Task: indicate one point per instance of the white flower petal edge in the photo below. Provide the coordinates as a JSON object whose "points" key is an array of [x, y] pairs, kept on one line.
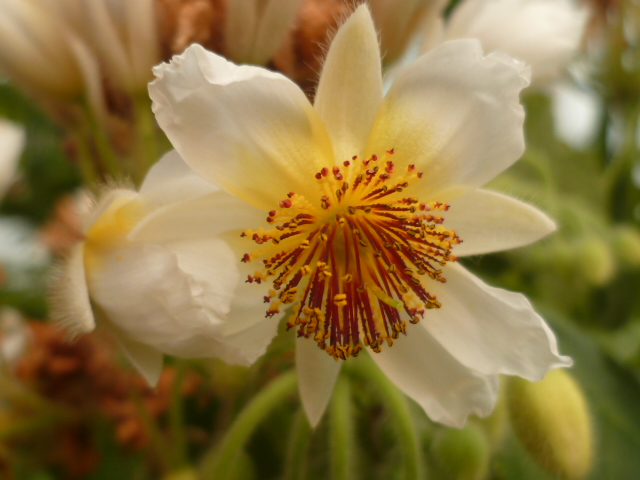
{"points": [[317, 375], [350, 88], [456, 115], [171, 181], [491, 222], [69, 298], [447, 390], [491, 330], [250, 131], [543, 33], [12, 140]]}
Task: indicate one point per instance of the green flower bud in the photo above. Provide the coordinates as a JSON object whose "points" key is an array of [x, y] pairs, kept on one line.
{"points": [[551, 419], [596, 261], [461, 454], [626, 241]]}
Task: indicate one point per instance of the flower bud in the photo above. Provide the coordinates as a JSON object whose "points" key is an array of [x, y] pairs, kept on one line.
{"points": [[626, 241], [551, 419], [596, 261], [461, 454]]}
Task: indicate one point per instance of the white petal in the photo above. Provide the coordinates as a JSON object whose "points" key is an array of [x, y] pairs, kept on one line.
{"points": [[317, 375], [250, 131], [69, 301], [446, 390], [11, 144], [147, 295], [491, 330], [147, 360], [171, 180], [455, 114], [350, 88], [489, 222], [543, 33], [246, 326], [206, 216]]}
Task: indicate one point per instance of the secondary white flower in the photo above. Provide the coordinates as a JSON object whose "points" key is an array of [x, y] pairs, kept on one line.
{"points": [[546, 34], [355, 235], [158, 277], [11, 145]]}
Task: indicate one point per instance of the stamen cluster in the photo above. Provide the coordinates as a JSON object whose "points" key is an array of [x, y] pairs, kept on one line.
{"points": [[355, 261]]}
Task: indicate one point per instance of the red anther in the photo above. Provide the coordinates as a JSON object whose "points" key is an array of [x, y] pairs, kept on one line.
{"points": [[318, 176], [324, 172], [336, 170], [285, 203], [346, 163], [266, 299], [272, 213], [270, 220], [339, 176], [374, 157], [419, 174], [391, 152], [255, 237], [250, 279], [355, 157], [243, 234], [279, 227], [411, 167], [291, 194], [246, 258]]}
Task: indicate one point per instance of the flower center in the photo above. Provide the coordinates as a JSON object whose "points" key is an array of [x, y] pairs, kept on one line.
{"points": [[354, 265]]}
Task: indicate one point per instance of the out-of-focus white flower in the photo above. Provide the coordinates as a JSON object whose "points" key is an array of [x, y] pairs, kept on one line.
{"points": [[40, 52], [67, 47], [158, 277], [352, 234], [256, 28], [544, 33], [11, 145]]}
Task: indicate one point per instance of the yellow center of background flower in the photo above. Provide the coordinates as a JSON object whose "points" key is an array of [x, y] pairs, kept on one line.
{"points": [[354, 262]]}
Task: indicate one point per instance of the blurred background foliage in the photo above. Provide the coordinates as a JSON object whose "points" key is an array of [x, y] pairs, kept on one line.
{"points": [[79, 412]]}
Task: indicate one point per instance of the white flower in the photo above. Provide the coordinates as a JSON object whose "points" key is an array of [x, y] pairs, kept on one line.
{"points": [[11, 145], [546, 34], [354, 233], [158, 277]]}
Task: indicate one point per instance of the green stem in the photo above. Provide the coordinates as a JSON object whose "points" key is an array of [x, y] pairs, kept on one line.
{"points": [[298, 445], [176, 417], [218, 462], [159, 445], [398, 406], [341, 432], [147, 148]]}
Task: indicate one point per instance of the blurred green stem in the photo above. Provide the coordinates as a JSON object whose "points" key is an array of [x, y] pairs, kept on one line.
{"points": [[341, 434], [218, 462], [299, 439], [398, 406]]}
